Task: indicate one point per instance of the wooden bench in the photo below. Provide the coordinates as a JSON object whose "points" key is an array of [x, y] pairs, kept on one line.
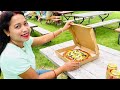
{"points": [[32, 25], [99, 24], [41, 30], [106, 23], [56, 21]]}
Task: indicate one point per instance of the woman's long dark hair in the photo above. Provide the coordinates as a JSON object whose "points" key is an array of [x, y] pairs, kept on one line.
{"points": [[5, 18]]}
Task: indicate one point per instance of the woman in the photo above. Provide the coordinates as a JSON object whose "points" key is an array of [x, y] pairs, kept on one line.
{"points": [[43, 14], [17, 60], [38, 15]]}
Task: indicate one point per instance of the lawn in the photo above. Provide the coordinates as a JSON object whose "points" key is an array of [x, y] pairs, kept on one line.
{"points": [[104, 36]]}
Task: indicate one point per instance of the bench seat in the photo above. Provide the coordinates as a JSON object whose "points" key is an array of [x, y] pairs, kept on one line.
{"points": [[95, 25], [56, 20], [41, 30], [32, 24]]}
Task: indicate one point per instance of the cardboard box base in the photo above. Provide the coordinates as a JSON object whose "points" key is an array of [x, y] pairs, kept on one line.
{"points": [[92, 57]]}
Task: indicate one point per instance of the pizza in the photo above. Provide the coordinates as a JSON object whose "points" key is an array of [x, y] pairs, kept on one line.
{"points": [[76, 55]]}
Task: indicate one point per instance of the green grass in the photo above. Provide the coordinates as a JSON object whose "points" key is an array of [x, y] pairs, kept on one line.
{"points": [[104, 37]]}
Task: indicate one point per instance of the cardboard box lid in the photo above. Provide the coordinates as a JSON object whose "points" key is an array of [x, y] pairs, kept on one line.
{"points": [[84, 36]]}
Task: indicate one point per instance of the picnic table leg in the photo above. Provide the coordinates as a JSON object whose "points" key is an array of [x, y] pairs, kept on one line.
{"points": [[119, 38], [79, 22], [66, 17], [32, 30], [89, 19], [82, 21], [71, 13], [104, 17], [119, 25]]}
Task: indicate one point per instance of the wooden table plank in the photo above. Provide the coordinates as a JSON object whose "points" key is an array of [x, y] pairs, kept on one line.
{"points": [[51, 55], [109, 50]]}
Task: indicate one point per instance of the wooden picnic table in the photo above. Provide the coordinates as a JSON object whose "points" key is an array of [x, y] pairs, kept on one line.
{"points": [[91, 14], [92, 70], [62, 13]]}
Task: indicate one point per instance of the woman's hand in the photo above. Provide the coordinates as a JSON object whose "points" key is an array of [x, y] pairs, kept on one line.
{"points": [[69, 66], [67, 25]]}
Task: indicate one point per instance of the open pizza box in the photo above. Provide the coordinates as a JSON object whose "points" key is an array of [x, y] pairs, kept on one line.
{"points": [[85, 40]]}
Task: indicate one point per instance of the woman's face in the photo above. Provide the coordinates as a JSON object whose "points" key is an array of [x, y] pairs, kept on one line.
{"points": [[19, 30]]}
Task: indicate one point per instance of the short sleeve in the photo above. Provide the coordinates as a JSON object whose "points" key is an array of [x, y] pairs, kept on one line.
{"points": [[16, 66]]}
